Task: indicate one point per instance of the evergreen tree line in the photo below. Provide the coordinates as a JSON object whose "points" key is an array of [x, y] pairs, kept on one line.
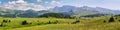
{"points": [[56, 15]]}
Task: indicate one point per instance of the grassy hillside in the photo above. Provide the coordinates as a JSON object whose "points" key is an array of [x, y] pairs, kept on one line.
{"points": [[96, 23], [84, 13], [16, 22], [109, 26]]}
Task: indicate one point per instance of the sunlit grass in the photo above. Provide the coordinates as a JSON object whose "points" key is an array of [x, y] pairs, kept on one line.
{"points": [[85, 24]]}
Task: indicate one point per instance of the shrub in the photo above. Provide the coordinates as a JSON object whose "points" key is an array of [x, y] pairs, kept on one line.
{"points": [[24, 22], [5, 21], [119, 20], [38, 23], [49, 22], [55, 22], [30, 23], [111, 19], [52, 22], [9, 21], [77, 21], [1, 24], [104, 21]]}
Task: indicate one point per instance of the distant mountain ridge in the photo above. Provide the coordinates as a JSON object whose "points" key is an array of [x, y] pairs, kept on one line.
{"points": [[71, 10], [85, 10], [20, 13]]}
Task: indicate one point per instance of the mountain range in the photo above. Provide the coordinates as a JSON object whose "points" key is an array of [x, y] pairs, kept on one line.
{"points": [[66, 9]]}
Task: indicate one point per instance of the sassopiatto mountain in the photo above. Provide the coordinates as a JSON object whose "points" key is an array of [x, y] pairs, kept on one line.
{"points": [[71, 10], [84, 10]]}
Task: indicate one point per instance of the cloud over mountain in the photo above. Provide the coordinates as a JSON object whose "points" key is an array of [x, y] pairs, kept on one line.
{"points": [[22, 5], [25, 5], [39, 0], [55, 2]]}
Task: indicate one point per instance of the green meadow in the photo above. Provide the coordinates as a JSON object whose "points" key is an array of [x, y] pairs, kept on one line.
{"points": [[96, 23]]}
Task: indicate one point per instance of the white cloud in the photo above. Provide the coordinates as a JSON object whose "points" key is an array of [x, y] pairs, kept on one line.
{"points": [[20, 1], [49, 7], [37, 7], [23, 5], [39, 0], [55, 2]]}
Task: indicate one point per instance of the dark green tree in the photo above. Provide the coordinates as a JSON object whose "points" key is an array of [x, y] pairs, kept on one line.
{"points": [[111, 19], [24, 22], [56, 15]]}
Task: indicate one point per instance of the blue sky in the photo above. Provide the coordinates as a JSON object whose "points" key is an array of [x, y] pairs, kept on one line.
{"points": [[46, 4]]}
